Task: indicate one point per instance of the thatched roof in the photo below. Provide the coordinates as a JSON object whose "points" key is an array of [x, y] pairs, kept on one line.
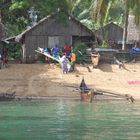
{"points": [[133, 32]]}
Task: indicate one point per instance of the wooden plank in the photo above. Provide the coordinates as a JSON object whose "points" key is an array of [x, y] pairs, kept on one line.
{"points": [[48, 55]]}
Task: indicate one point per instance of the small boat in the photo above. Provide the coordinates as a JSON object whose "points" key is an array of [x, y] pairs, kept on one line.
{"points": [[88, 95], [84, 91], [7, 96]]}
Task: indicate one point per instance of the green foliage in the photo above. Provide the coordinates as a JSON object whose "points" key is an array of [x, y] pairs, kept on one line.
{"points": [[14, 52], [18, 4], [87, 23], [80, 51], [105, 11], [16, 13], [62, 18], [103, 45]]}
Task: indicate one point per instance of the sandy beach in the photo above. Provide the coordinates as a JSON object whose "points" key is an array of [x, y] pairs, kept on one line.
{"points": [[48, 80]]}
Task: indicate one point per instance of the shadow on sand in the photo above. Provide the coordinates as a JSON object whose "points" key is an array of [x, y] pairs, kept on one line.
{"points": [[105, 67]]}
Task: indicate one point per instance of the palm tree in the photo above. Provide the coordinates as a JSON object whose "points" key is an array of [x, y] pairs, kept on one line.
{"points": [[99, 9], [80, 10]]}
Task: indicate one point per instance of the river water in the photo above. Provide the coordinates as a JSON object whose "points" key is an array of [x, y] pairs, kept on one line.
{"points": [[69, 120]]}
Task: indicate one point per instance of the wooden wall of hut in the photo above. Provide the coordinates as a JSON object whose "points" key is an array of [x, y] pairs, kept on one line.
{"points": [[111, 33]]}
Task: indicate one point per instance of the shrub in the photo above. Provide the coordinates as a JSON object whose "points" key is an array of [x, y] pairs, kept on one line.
{"points": [[80, 51]]}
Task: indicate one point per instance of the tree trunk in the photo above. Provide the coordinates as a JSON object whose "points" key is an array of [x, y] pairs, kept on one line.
{"points": [[1, 31], [0, 17], [125, 27]]}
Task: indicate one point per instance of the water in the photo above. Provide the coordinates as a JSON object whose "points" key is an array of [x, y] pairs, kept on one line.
{"points": [[69, 120]]}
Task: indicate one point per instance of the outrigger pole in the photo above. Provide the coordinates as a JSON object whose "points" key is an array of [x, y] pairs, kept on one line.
{"points": [[112, 94]]}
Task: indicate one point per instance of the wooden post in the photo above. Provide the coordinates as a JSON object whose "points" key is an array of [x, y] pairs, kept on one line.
{"points": [[0, 31], [23, 53], [125, 27], [0, 17]]}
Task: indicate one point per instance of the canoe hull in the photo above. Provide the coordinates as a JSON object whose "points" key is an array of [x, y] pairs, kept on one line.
{"points": [[85, 97]]}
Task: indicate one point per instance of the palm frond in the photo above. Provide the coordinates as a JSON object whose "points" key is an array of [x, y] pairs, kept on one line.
{"points": [[99, 9]]}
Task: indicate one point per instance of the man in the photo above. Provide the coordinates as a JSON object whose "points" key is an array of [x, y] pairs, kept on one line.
{"points": [[55, 52], [67, 50]]}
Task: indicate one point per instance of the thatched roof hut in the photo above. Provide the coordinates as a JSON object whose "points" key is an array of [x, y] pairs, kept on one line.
{"points": [[111, 33], [133, 33]]}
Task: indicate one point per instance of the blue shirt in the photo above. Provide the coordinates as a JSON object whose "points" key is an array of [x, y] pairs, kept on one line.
{"points": [[55, 51]]}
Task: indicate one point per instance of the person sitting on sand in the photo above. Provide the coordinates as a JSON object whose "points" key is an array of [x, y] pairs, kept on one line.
{"points": [[121, 64]]}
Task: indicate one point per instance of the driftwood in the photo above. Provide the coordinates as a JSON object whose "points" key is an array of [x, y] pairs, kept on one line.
{"points": [[7, 96]]}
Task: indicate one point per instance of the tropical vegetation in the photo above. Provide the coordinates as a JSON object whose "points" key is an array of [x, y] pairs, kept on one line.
{"points": [[14, 14], [100, 10]]}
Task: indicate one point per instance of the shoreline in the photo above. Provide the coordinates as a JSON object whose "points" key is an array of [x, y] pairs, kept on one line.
{"points": [[43, 98]]}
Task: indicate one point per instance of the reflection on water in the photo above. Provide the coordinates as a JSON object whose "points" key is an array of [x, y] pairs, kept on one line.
{"points": [[69, 120]]}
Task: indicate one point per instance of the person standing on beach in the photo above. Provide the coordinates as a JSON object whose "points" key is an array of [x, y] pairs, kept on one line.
{"points": [[55, 52], [64, 64], [67, 50]]}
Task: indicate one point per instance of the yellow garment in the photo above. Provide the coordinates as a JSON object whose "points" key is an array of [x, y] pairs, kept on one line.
{"points": [[73, 57]]}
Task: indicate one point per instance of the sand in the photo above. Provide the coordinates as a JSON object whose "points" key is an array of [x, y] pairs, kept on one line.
{"points": [[48, 80]]}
